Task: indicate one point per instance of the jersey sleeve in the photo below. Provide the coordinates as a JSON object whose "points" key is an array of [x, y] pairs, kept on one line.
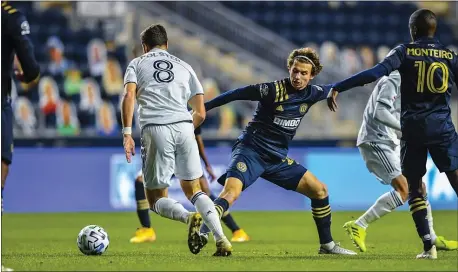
{"points": [[265, 93], [387, 92], [195, 85], [320, 92], [131, 75], [19, 29], [394, 59]]}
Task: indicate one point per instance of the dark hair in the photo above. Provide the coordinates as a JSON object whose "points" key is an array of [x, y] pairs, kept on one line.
{"points": [[423, 23], [310, 54], [154, 35]]}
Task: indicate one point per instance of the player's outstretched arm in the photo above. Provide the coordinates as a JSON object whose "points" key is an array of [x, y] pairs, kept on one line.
{"points": [[391, 62], [250, 92]]}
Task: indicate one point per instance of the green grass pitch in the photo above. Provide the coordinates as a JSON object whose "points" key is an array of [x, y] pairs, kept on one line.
{"points": [[280, 241]]}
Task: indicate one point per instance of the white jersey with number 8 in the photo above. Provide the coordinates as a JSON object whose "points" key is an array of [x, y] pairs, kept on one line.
{"points": [[165, 83]]}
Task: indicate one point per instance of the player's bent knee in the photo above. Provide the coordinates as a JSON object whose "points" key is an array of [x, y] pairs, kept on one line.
{"points": [[232, 189], [311, 187], [401, 186]]}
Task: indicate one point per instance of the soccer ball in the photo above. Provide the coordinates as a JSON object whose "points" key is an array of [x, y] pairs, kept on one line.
{"points": [[93, 240]]}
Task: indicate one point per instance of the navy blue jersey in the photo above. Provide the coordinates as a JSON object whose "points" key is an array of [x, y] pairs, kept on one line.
{"points": [[15, 40], [278, 114], [428, 71]]}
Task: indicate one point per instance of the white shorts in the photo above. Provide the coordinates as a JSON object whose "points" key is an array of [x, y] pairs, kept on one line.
{"points": [[382, 160], [167, 150]]}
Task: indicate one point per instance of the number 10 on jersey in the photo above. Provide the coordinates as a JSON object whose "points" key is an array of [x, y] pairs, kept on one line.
{"points": [[422, 73]]}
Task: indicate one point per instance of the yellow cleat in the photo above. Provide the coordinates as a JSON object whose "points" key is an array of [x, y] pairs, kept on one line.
{"points": [[143, 235], [442, 244], [357, 235], [223, 248], [240, 236]]}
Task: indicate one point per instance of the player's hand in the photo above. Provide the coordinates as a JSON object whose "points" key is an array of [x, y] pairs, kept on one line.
{"points": [[331, 99], [210, 173], [129, 147]]}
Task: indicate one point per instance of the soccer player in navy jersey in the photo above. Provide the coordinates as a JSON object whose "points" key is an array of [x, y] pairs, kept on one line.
{"points": [[428, 71], [262, 149], [15, 41]]}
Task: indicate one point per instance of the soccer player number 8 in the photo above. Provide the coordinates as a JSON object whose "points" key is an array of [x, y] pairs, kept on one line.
{"points": [[163, 71], [430, 77]]}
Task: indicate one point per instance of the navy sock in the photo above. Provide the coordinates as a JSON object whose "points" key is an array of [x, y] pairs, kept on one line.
{"points": [[142, 205], [321, 211], [230, 222], [221, 206], [417, 205]]}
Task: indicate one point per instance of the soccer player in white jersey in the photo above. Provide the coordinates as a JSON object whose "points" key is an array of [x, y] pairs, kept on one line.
{"points": [[378, 142], [163, 86]]}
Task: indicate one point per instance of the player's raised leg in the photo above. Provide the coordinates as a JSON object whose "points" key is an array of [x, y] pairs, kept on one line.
{"points": [[383, 161], [189, 171], [238, 234], [317, 191], [290, 175], [145, 233]]}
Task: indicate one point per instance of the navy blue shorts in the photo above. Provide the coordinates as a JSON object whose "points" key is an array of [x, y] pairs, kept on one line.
{"points": [[247, 166], [414, 156], [7, 130]]}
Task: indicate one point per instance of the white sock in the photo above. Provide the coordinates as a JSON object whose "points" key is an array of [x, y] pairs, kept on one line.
{"points": [[384, 205], [207, 210], [429, 216], [171, 209]]}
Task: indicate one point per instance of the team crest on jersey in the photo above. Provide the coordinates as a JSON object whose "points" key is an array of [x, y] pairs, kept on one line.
{"points": [[241, 166], [263, 90], [25, 28], [303, 108], [289, 160]]}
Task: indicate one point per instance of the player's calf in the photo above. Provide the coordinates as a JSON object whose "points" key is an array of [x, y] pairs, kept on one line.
{"points": [[317, 191]]}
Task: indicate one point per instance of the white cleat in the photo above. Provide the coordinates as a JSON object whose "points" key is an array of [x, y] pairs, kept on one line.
{"points": [[430, 254], [337, 249]]}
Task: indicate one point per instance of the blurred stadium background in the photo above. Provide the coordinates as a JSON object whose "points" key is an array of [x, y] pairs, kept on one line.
{"points": [[69, 161], [67, 128]]}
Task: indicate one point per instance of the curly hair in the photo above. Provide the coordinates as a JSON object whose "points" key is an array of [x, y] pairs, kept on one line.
{"points": [[310, 54]]}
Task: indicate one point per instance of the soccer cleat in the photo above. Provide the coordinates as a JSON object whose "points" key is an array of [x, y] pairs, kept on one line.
{"points": [[442, 244], [6, 268], [430, 254], [357, 235], [143, 235], [194, 240], [337, 249], [223, 248], [240, 236]]}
